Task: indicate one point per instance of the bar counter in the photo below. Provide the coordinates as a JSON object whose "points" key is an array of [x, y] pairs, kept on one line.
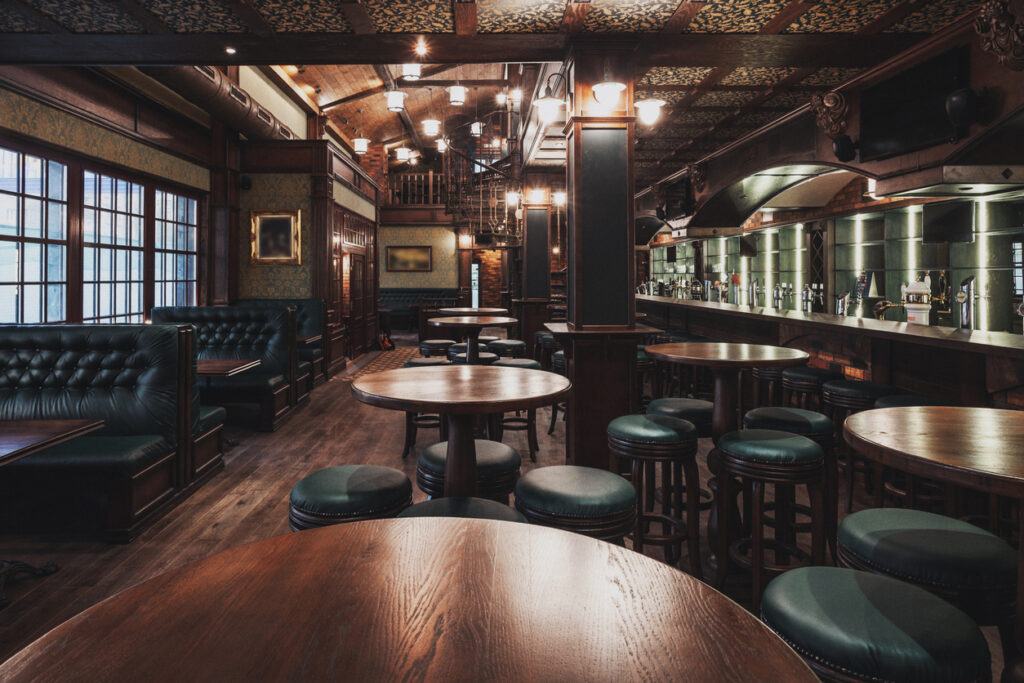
{"points": [[969, 366]]}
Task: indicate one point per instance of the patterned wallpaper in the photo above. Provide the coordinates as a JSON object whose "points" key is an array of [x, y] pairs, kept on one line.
{"points": [[446, 263], [275, 192], [28, 117]]}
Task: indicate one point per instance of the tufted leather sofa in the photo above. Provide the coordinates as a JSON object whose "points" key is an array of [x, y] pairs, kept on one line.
{"points": [[140, 380], [234, 332], [310, 321]]}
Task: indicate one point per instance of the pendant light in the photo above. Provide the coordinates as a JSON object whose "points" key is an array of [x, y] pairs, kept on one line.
{"points": [[607, 91], [402, 153], [411, 72], [396, 100], [476, 129], [649, 110], [442, 145], [431, 127], [457, 95], [360, 145]]}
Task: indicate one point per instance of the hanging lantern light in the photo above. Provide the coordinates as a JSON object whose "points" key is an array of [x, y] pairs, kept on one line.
{"points": [[548, 105], [442, 145], [476, 129], [396, 100], [360, 145], [411, 72], [457, 95], [649, 110], [607, 91], [402, 153], [431, 127]]}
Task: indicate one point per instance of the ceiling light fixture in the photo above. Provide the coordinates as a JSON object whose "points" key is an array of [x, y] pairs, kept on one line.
{"points": [[548, 106], [402, 153], [431, 128], [511, 198], [411, 72], [396, 100], [501, 98], [360, 145], [442, 145], [230, 50], [421, 47], [538, 195], [649, 110], [516, 95], [476, 129], [457, 95], [559, 198], [607, 91]]}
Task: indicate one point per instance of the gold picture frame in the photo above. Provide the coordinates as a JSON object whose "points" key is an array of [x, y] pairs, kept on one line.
{"points": [[276, 237]]}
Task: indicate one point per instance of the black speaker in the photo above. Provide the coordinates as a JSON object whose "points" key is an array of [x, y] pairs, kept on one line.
{"points": [[844, 147], [962, 107], [679, 200], [245, 182]]}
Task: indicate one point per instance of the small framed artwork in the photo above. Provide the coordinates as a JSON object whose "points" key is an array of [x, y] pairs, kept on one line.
{"points": [[409, 259], [276, 237]]}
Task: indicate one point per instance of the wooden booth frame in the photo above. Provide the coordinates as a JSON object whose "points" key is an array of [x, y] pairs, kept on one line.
{"points": [[276, 237]]}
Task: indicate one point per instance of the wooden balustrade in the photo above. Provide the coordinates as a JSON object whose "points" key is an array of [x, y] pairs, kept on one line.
{"points": [[416, 188]]}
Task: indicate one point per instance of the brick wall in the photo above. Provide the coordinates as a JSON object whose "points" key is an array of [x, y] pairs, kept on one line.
{"points": [[490, 276], [375, 163]]}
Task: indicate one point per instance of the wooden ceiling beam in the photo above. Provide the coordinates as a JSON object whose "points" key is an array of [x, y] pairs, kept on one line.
{"points": [[33, 16], [244, 10], [384, 73], [380, 88], [574, 16], [147, 19], [786, 16], [464, 12], [893, 15], [682, 16]]}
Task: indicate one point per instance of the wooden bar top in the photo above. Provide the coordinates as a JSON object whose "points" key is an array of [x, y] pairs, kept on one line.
{"points": [[976, 341]]}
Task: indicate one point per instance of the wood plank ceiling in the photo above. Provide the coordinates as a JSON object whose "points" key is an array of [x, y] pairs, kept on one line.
{"points": [[725, 67]]}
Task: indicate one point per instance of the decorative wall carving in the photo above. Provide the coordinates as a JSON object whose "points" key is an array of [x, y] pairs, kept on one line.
{"points": [[830, 112], [1000, 23], [698, 176]]}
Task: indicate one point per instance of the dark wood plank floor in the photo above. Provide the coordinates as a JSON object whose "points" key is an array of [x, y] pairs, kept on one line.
{"points": [[246, 502]]}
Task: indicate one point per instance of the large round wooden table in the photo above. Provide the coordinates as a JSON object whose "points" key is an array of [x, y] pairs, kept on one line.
{"points": [[470, 326], [726, 361], [460, 392], [978, 448], [415, 599]]}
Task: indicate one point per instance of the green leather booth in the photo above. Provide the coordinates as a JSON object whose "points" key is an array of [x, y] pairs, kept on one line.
{"points": [[310, 322]]}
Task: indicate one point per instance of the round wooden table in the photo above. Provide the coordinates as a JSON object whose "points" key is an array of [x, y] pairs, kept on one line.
{"points": [[469, 326], [415, 599], [726, 361], [470, 311], [461, 392], [978, 448]]}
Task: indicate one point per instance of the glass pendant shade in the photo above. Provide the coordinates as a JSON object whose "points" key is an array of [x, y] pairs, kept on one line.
{"points": [[559, 198], [402, 153], [411, 72], [501, 98], [431, 127], [649, 110], [457, 95], [396, 100], [547, 108], [442, 145], [607, 93], [360, 145], [511, 198], [476, 129]]}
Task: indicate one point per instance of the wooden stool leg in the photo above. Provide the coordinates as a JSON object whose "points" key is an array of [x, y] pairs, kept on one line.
{"points": [[814, 493], [649, 489], [784, 499], [410, 434], [554, 417], [757, 545], [672, 550], [531, 433], [637, 476], [692, 479], [724, 500]]}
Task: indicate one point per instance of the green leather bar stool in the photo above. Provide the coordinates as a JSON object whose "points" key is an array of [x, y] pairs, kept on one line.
{"points": [[645, 367], [538, 345], [961, 563], [585, 500], [767, 380], [508, 348], [692, 410], [456, 349], [646, 441], [854, 626], [435, 347], [842, 398], [515, 422], [486, 339], [802, 385], [558, 365], [417, 421], [550, 347], [816, 427], [465, 508], [760, 457], [347, 493], [486, 358], [497, 469]]}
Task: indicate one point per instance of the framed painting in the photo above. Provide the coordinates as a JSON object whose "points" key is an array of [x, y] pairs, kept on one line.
{"points": [[276, 237], [410, 259]]}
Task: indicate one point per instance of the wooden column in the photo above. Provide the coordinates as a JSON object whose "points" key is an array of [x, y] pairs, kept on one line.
{"points": [[536, 273], [222, 251], [600, 335]]}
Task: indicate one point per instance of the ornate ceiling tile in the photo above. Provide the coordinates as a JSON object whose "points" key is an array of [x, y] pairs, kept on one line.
{"points": [[726, 98], [12, 22], [829, 76], [675, 75], [756, 75], [840, 16], [703, 118], [196, 16], [734, 16], [670, 96], [411, 16], [757, 118], [934, 15], [519, 16], [628, 15], [88, 16], [791, 99], [302, 15]]}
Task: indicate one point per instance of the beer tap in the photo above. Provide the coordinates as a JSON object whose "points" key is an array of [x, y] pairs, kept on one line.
{"points": [[842, 302], [965, 297], [807, 299], [777, 296], [752, 292]]}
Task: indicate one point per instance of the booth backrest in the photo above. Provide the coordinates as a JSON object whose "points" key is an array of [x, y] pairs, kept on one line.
{"points": [[399, 300], [126, 375], [236, 332], [309, 313]]}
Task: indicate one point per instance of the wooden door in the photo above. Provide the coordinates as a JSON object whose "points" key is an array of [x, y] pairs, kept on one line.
{"points": [[357, 287]]}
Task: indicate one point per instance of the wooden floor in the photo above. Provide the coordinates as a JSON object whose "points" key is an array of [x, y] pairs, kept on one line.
{"points": [[245, 502]]}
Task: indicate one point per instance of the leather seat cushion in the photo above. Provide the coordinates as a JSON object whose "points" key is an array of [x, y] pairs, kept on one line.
{"points": [[653, 429], [770, 447], [931, 549], [539, 335], [642, 356], [904, 400], [505, 345], [472, 508], [304, 368], [437, 343], [247, 381], [855, 389], [119, 455], [310, 353], [425, 362], [767, 373], [794, 420], [572, 491], [525, 363], [874, 627], [210, 417], [487, 339], [493, 459], [809, 374], [486, 358], [558, 355], [690, 409], [349, 490], [461, 348]]}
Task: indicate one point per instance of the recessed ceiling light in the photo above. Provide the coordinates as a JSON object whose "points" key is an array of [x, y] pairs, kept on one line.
{"points": [[230, 50], [421, 47]]}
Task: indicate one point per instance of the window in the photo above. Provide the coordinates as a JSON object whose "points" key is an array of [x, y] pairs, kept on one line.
{"points": [[1018, 268], [175, 250], [33, 239], [113, 240]]}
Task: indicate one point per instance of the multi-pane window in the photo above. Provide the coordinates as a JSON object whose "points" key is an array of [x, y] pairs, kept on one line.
{"points": [[175, 250], [113, 241], [1018, 268], [33, 239]]}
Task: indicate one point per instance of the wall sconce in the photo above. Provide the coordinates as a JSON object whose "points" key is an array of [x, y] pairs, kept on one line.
{"points": [[511, 198], [402, 153], [411, 72], [476, 129], [465, 241], [607, 91], [457, 95], [538, 196], [559, 198], [396, 100], [431, 128], [649, 110], [548, 105], [555, 250]]}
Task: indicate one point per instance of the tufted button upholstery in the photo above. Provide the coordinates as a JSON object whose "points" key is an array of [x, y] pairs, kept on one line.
{"points": [[346, 491], [690, 409], [856, 389], [309, 313], [771, 447], [929, 549], [525, 363], [653, 429], [571, 491], [874, 627], [904, 400], [796, 420], [492, 458], [471, 508]]}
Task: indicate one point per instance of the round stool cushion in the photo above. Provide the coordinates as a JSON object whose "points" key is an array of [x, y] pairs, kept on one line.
{"points": [[461, 348], [770, 447], [856, 389], [506, 346], [795, 420], [642, 357], [874, 627], [558, 360], [930, 549], [436, 344], [525, 363], [486, 358], [487, 338], [540, 335], [471, 508], [493, 458], [351, 491], [654, 429], [425, 362], [572, 491], [809, 374], [905, 400], [690, 409]]}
